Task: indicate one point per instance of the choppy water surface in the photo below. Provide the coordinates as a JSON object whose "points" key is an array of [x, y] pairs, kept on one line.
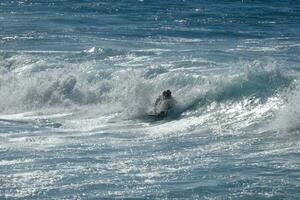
{"points": [[77, 80]]}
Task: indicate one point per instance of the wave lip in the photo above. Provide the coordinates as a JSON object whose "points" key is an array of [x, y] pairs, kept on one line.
{"points": [[254, 83]]}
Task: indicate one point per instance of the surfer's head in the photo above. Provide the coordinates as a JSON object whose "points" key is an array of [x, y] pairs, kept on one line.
{"points": [[167, 94]]}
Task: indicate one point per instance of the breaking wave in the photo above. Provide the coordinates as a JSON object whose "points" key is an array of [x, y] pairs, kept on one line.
{"points": [[36, 81]]}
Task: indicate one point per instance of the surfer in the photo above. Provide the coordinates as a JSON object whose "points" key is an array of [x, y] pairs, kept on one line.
{"points": [[164, 104]]}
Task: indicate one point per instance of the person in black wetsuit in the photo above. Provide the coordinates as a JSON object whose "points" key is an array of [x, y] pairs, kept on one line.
{"points": [[164, 104]]}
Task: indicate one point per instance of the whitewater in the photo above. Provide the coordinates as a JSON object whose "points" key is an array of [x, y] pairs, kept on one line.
{"points": [[79, 78]]}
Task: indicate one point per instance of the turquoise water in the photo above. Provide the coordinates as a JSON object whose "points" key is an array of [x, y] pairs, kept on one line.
{"points": [[78, 78]]}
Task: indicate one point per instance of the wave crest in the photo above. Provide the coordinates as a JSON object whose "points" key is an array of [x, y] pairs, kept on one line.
{"points": [[57, 82]]}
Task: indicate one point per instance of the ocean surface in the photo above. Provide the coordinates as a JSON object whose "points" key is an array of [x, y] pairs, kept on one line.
{"points": [[79, 78]]}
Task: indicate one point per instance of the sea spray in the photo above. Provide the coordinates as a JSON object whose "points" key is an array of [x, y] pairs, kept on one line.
{"points": [[288, 115]]}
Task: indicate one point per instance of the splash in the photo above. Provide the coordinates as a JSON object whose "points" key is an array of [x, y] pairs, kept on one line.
{"points": [[288, 116]]}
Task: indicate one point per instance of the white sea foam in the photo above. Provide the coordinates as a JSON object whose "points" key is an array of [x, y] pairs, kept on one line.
{"points": [[35, 82], [288, 115]]}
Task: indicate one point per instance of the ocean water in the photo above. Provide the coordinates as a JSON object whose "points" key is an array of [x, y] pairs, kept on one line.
{"points": [[78, 79]]}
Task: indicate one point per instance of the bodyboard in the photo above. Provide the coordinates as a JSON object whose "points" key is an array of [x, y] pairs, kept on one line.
{"points": [[156, 116]]}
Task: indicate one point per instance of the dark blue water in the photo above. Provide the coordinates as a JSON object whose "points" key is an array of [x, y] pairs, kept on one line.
{"points": [[78, 78]]}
